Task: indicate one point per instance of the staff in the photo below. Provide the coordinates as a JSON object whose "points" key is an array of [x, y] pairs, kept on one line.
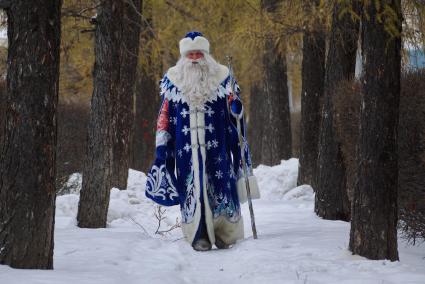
{"points": [[241, 145]]}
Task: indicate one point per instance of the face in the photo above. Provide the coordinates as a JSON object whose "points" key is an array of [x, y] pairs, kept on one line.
{"points": [[194, 55]]}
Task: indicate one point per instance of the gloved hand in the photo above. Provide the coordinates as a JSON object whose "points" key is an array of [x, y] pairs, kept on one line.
{"points": [[236, 108]]}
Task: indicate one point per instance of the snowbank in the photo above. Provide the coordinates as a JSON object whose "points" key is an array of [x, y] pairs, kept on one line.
{"points": [[294, 245], [280, 182]]}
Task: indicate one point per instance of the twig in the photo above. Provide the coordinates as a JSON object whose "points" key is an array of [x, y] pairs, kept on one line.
{"points": [[147, 24], [159, 214], [178, 239], [129, 52], [182, 11], [75, 15], [175, 226], [79, 14], [88, 31], [251, 6], [138, 224]]}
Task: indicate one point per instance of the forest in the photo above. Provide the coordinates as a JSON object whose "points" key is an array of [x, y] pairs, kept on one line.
{"points": [[332, 89]]}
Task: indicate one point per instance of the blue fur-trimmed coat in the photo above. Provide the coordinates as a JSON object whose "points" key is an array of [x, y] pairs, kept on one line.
{"points": [[198, 158]]}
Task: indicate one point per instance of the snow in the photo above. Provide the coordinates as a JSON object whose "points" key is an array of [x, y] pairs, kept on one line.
{"points": [[293, 245]]}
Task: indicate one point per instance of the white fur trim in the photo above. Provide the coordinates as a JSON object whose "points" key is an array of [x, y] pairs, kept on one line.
{"points": [[208, 212], [173, 93], [189, 230], [253, 186], [197, 122], [227, 231], [198, 43], [161, 138], [221, 75]]}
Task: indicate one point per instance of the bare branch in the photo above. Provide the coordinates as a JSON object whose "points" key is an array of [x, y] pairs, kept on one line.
{"points": [[69, 12], [159, 214], [181, 10], [146, 22], [73, 14], [175, 226], [140, 225], [88, 31], [251, 6]]}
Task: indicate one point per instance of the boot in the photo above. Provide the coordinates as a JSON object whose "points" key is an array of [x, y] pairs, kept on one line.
{"points": [[220, 244], [202, 245]]}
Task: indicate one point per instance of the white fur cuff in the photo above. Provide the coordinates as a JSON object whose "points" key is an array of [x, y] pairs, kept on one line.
{"points": [[253, 186]]}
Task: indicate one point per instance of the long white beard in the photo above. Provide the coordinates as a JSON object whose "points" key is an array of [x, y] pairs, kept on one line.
{"points": [[197, 81]]}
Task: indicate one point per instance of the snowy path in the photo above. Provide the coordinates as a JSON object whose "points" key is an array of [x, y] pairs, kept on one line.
{"points": [[294, 245]]}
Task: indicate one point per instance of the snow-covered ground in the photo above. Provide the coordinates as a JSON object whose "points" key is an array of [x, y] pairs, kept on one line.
{"points": [[294, 245]]}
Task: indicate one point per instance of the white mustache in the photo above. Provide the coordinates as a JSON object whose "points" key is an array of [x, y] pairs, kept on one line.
{"points": [[200, 61]]}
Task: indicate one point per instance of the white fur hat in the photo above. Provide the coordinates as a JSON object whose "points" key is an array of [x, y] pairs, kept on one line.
{"points": [[194, 41]]}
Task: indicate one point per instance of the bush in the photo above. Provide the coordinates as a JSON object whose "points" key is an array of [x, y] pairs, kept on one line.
{"points": [[71, 142], [411, 147]]}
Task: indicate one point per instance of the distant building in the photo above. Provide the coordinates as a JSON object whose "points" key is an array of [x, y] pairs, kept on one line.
{"points": [[3, 37], [416, 59]]}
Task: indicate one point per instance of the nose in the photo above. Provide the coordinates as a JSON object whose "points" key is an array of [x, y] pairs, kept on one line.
{"points": [[195, 55]]}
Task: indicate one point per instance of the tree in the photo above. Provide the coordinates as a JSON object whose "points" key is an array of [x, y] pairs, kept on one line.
{"points": [[331, 199], [77, 53], [277, 142], [2, 109], [27, 164], [123, 107], [255, 127], [98, 165], [147, 97], [313, 74], [374, 212], [411, 156]]}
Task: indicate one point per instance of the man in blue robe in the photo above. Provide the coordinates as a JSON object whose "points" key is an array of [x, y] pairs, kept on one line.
{"points": [[198, 161]]}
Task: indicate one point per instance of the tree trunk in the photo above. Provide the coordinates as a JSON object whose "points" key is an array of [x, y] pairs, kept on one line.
{"points": [[331, 201], [313, 76], [123, 111], [2, 110], [27, 164], [97, 170], [146, 114], [147, 100], [255, 124], [373, 227], [277, 138]]}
